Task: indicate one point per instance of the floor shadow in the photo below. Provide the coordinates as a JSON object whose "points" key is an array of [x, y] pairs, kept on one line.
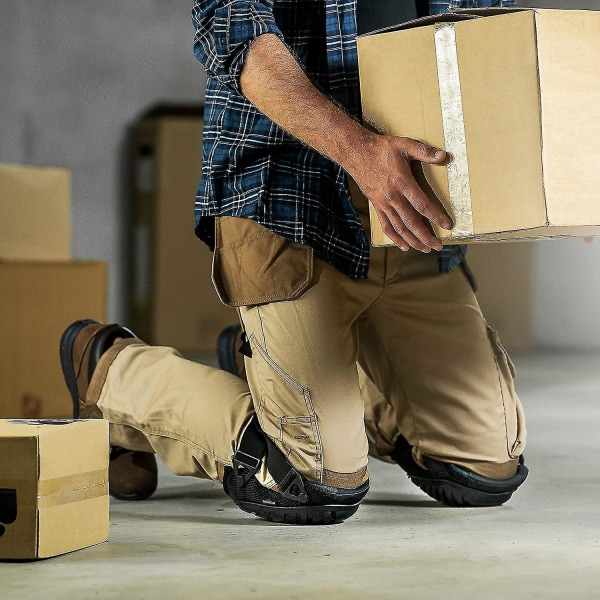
{"points": [[188, 492], [400, 501]]}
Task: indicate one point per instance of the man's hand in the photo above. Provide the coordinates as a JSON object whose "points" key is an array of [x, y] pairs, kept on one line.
{"points": [[384, 175], [274, 82]]}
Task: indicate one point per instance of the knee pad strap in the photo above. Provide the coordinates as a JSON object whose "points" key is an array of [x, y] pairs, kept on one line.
{"points": [[248, 457], [296, 500]]}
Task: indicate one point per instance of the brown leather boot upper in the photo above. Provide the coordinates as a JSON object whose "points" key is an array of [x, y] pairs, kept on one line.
{"points": [[132, 474], [81, 363]]}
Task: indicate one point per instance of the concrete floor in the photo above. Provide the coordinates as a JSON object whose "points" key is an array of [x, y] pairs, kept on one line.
{"points": [[190, 541]]}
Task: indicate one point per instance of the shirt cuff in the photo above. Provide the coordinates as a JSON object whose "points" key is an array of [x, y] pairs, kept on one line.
{"points": [[222, 41]]}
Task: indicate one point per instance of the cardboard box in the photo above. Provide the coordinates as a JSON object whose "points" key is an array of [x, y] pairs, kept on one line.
{"points": [[35, 213], [39, 300], [53, 487], [173, 302], [504, 275], [513, 95]]}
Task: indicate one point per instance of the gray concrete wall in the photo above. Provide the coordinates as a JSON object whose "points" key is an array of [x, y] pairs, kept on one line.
{"points": [[74, 74]]}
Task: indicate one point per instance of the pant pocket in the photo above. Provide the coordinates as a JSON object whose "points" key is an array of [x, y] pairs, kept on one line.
{"points": [[285, 413], [252, 265], [513, 411]]}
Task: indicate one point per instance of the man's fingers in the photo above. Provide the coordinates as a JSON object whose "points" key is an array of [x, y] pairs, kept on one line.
{"points": [[412, 228], [403, 220], [423, 152], [421, 203], [401, 235]]}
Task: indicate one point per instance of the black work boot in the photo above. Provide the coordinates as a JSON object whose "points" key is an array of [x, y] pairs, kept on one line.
{"points": [[229, 355]]}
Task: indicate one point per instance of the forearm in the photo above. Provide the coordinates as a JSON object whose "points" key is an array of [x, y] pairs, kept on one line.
{"points": [[274, 82]]}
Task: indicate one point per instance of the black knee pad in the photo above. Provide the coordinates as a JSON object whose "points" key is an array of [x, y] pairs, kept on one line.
{"points": [[457, 486], [296, 499], [322, 504]]}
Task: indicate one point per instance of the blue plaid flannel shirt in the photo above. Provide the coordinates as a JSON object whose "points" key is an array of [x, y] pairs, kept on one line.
{"points": [[251, 167]]}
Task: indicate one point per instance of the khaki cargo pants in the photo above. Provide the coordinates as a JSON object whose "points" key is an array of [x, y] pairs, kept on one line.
{"points": [[339, 369]]}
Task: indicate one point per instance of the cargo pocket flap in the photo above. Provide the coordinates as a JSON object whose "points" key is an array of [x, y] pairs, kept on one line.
{"points": [[252, 265]]}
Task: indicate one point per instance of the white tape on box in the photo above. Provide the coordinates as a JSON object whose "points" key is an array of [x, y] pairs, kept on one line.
{"points": [[454, 127]]}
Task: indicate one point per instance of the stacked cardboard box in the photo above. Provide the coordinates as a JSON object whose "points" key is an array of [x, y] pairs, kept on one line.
{"points": [[43, 289], [504, 275], [173, 302]]}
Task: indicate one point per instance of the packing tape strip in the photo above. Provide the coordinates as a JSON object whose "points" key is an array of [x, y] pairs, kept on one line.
{"points": [[72, 488], [71, 496], [77, 481], [454, 127]]}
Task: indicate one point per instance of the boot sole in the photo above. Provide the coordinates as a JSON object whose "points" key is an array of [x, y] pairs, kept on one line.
{"points": [[302, 515]]}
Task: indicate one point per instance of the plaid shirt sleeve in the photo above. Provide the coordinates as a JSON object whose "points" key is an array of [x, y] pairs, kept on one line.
{"points": [[224, 31]]}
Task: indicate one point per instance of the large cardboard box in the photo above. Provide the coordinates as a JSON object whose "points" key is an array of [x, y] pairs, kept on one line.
{"points": [[39, 300], [53, 487], [504, 275], [173, 302], [514, 96], [35, 213]]}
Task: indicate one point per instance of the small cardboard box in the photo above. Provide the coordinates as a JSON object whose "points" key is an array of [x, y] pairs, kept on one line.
{"points": [[35, 213], [39, 300], [53, 487], [514, 96]]}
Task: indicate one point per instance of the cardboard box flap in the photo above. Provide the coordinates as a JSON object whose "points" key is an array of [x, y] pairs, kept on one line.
{"points": [[454, 16], [422, 22], [83, 447], [490, 12]]}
